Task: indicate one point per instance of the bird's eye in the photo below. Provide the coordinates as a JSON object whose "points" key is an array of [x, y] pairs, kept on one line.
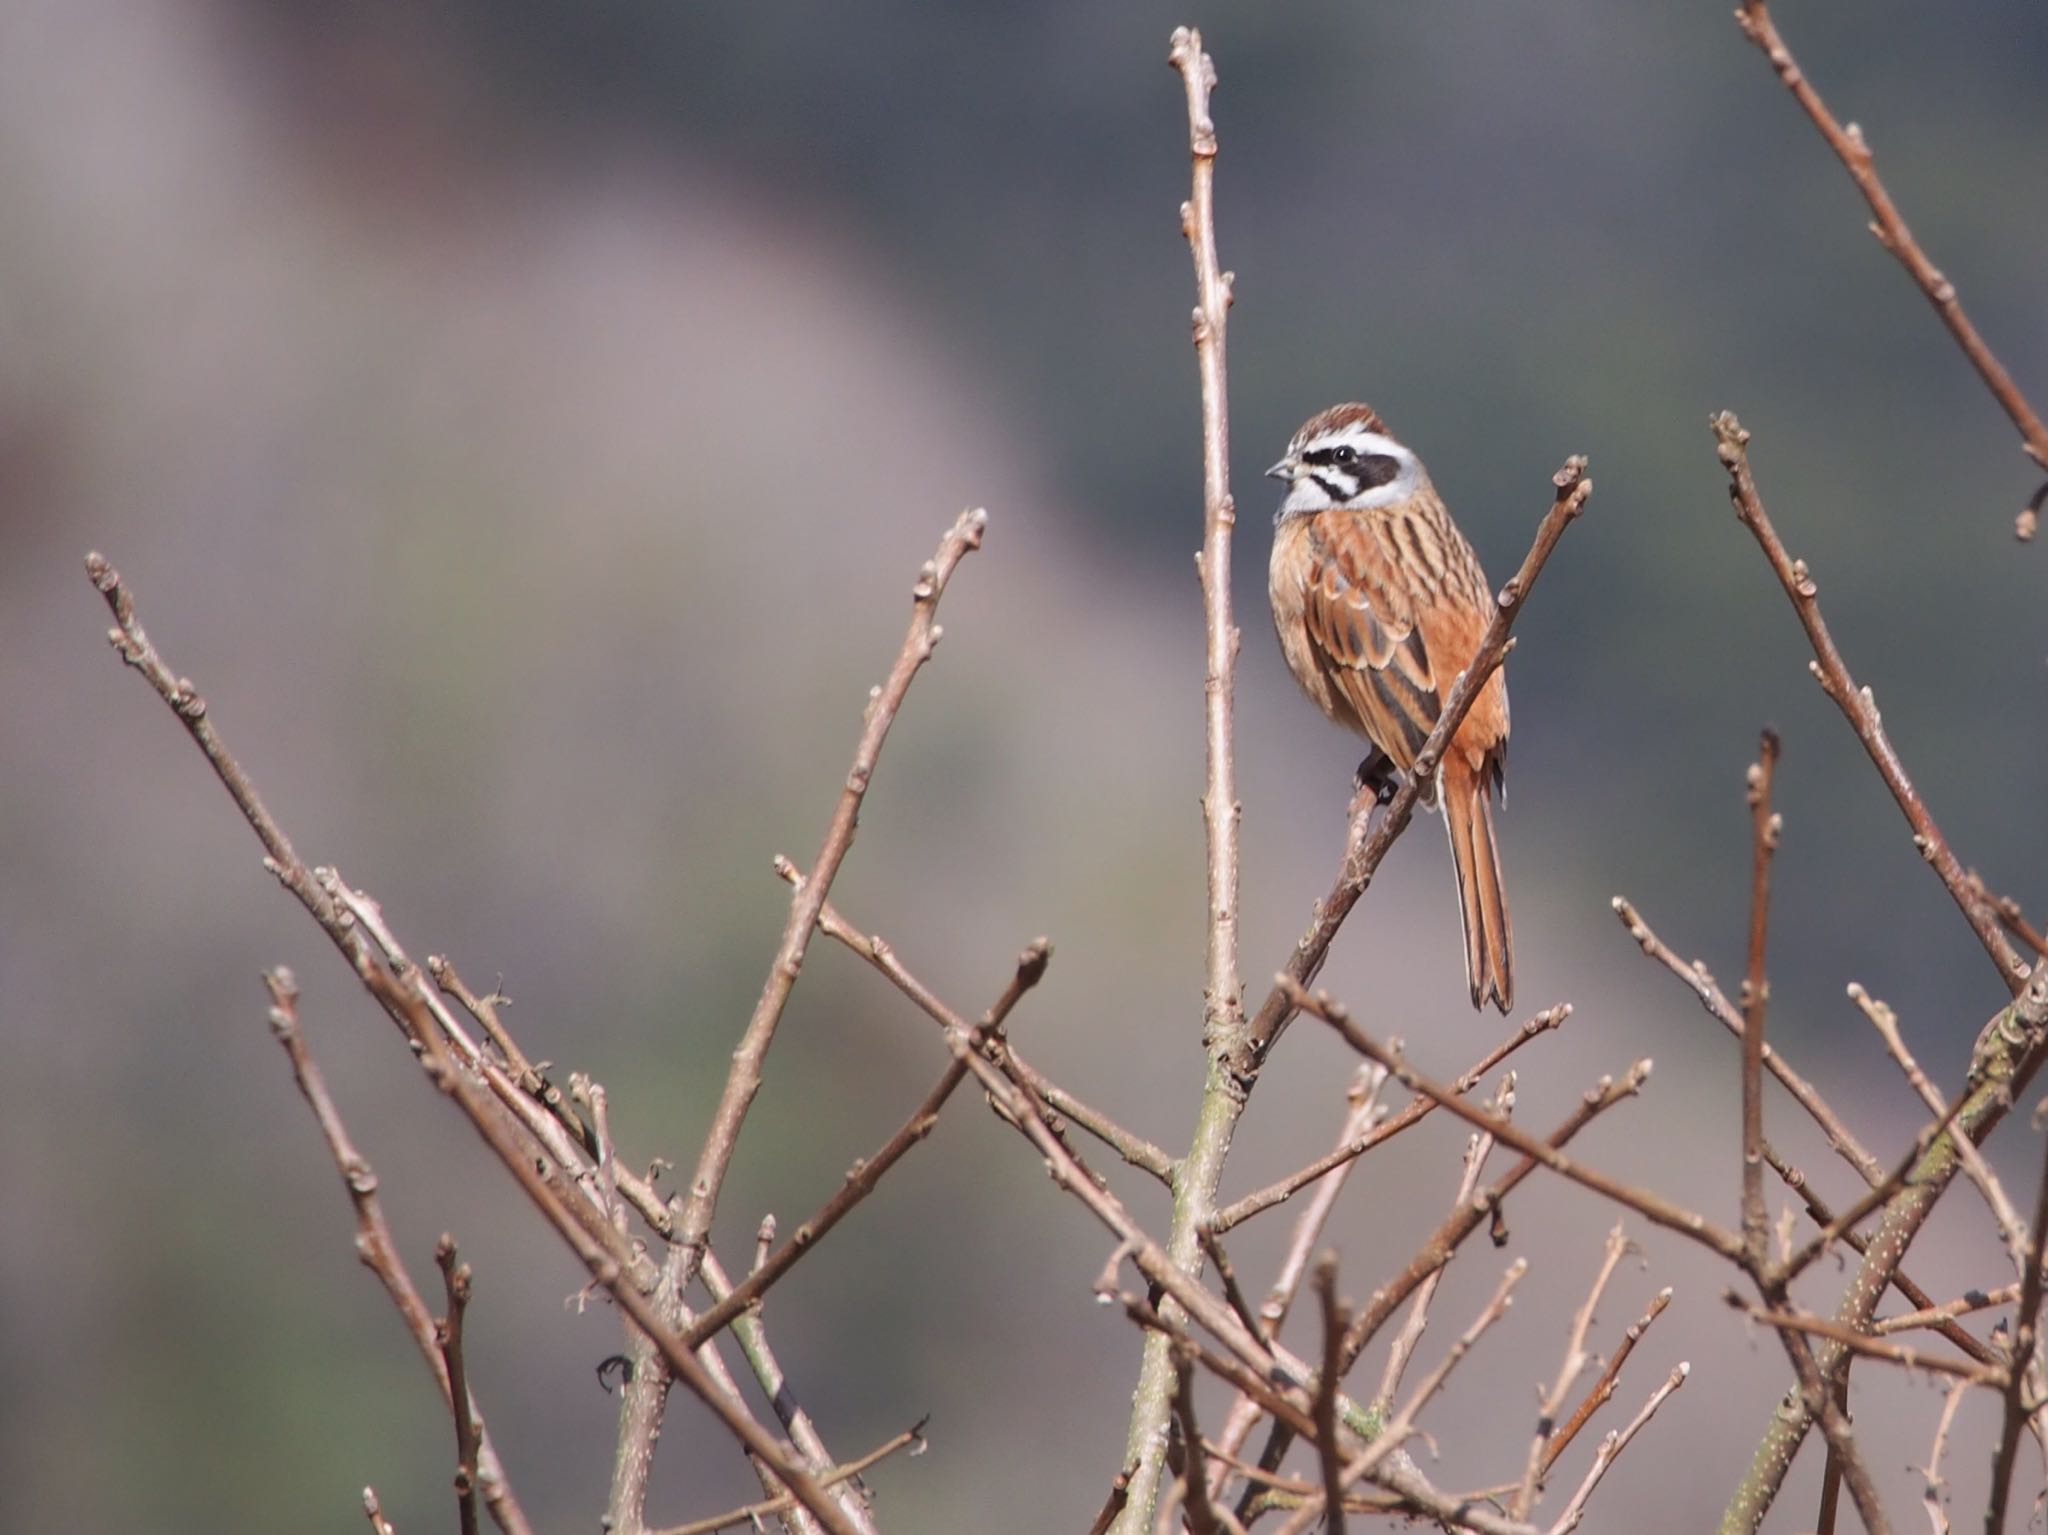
{"points": [[1346, 454]]}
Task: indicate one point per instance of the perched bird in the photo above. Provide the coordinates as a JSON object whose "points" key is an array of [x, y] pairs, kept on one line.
{"points": [[1380, 603]]}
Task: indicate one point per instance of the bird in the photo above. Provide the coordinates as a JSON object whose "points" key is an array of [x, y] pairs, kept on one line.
{"points": [[1380, 603]]}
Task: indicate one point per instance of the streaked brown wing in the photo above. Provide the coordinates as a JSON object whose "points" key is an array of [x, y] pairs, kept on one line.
{"points": [[1362, 619]]}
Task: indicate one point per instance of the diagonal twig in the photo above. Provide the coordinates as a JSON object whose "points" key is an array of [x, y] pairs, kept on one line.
{"points": [[375, 1244], [1612, 1446], [1366, 1137], [911, 1439], [1575, 1360], [1889, 225], [865, 1174], [1857, 704], [1603, 1388], [1651, 1206]]}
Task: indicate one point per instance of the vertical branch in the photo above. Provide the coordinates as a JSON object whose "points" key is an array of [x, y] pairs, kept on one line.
{"points": [[1336, 1318], [1223, 1095], [640, 1413], [2025, 1334], [456, 1277], [1765, 827], [1220, 809]]}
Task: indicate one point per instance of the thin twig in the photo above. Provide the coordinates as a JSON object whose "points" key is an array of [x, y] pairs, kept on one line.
{"points": [[1764, 831], [1361, 1110], [1371, 836], [1119, 1495], [911, 1438], [1872, 1200], [1857, 704], [374, 1512], [2024, 1339], [744, 1079], [1651, 1206], [1478, 1146], [642, 1411], [1701, 984], [1576, 1358], [455, 1277], [1336, 1317], [1868, 1346], [1890, 228], [1962, 1305], [375, 1244], [865, 1174], [1937, 1516], [2012, 1233], [1364, 1139], [1823, 1215], [1201, 1514], [1611, 1448], [1402, 1425], [1603, 1389], [752, 1335]]}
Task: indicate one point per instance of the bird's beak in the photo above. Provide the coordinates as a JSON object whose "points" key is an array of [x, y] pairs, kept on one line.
{"points": [[1284, 470]]}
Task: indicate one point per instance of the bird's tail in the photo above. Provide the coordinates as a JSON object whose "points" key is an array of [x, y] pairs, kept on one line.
{"points": [[1483, 904]]}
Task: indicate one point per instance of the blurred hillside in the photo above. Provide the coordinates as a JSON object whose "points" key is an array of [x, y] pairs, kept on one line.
{"points": [[524, 422]]}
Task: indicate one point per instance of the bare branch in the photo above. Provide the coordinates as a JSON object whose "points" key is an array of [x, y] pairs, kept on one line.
{"points": [[2025, 1338], [1764, 831], [1478, 1146], [1867, 1345], [1575, 1359], [1890, 228], [1402, 1425], [1202, 1516], [1336, 1317], [1701, 984], [1937, 1516], [865, 1174], [1201, 1170], [1611, 1448], [911, 1439], [1366, 1137], [1651, 1206], [1603, 1389], [1857, 704], [744, 1080], [379, 1251], [1900, 1280], [455, 1276], [1962, 1305], [1362, 1108]]}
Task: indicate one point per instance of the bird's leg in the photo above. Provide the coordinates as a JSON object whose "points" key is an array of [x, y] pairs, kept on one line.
{"points": [[1377, 775]]}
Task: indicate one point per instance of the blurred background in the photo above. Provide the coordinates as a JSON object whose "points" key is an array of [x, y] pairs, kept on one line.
{"points": [[524, 421]]}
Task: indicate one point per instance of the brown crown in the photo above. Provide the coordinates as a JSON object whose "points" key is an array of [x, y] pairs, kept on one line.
{"points": [[1339, 416]]}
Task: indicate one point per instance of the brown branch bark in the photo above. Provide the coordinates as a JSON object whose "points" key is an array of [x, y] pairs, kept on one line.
{"points": [[1201, 1170], [1764, 831], [375, 1244], [1889, 225], [865, 1174], [1858, 706]]}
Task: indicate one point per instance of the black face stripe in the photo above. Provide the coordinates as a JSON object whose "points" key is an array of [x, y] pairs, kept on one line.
{"points": [[1332, 488], [1377, 469]]}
